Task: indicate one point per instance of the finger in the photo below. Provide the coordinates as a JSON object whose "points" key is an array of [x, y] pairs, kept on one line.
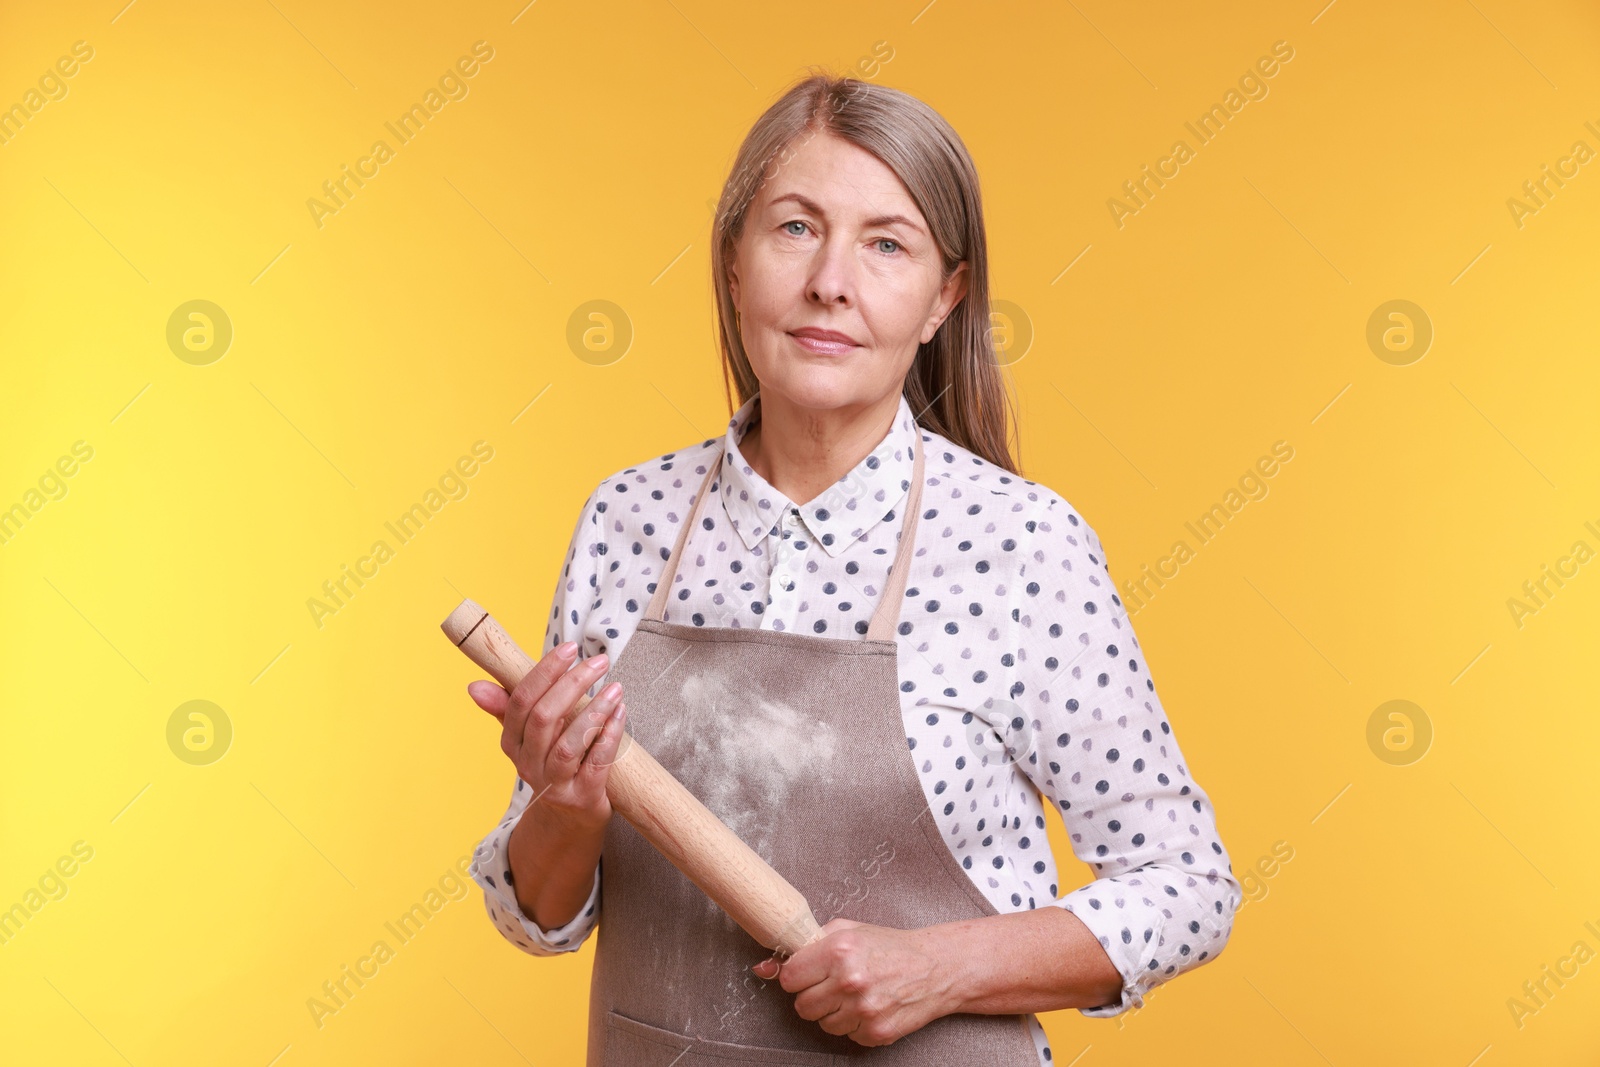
{"points": [[841, 1021], [804, 969], [602, 754], [489, 697], [526, 693], [569, 748], [546, 720], [819, 1001], [768, 968]]}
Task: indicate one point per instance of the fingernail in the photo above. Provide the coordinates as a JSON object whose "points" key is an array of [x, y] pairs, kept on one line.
{"points": [[568, 650], [599, 661]]}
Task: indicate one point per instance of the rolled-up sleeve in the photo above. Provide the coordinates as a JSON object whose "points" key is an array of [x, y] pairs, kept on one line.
{"points": [[491, 869], [572, 605], [1163, 898]]}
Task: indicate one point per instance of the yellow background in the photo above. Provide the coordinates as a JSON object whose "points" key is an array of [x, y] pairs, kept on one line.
{"points": [[368, 354]]}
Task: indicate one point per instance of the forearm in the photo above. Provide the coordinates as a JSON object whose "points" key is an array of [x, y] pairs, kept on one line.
{"points": [[552, 867], [1043, 959]]}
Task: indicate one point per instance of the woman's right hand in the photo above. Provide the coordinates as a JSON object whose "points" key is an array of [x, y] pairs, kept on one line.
{"points": [[563, 755]]}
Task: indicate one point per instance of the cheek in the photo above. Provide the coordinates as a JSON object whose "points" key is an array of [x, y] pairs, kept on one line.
{"points": [[895, 309], [772, 280]]}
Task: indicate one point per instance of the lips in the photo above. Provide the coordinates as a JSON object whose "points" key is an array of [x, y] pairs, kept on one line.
{"points": [[823, 342]]}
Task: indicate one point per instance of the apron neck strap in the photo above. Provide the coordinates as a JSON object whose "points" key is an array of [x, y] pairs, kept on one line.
{"points": [[888, 613]]}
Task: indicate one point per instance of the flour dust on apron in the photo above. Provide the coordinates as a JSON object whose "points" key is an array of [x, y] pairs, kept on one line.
{"points": [[798, 743]]}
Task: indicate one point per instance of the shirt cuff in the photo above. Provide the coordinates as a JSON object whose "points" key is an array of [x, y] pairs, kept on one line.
{"points": [[1122, 924], [491, 870]]}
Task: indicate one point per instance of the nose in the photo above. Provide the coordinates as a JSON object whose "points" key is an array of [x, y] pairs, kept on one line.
{"points": [[833, 273]]}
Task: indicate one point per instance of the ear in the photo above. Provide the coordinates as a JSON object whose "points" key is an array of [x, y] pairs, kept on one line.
{"points": [[949, 296]]}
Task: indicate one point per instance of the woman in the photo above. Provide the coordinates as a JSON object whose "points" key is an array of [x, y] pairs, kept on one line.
{"points": [[869, 646]]}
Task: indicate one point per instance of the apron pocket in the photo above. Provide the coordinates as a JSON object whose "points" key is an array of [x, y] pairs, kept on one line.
{"points": [[631, 1043]]}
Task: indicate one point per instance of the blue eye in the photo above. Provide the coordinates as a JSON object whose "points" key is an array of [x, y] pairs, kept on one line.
{"points": [[889, 241], [794, 222]]}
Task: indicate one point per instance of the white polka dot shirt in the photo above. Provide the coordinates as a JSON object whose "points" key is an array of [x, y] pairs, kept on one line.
{"points": [[1021, 683]]}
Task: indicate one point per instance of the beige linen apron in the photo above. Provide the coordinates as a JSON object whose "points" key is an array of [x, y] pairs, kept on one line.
{"points": [[796, 742]]}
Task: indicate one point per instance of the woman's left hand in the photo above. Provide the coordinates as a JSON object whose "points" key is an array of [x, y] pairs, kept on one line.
{"points": [[873, 984]]}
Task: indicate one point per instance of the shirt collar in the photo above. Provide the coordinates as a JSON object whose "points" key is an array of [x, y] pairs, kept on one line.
{"points": [[841, 514]]}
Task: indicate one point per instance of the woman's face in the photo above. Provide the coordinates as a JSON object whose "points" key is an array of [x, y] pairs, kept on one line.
{"points": [[834, 242]]}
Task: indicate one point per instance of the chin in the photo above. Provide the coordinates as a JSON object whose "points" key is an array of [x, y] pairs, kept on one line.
{"points": [[813, 388]]}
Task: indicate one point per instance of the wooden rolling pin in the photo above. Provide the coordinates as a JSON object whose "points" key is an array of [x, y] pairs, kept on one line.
{"points": [[665, 813]]}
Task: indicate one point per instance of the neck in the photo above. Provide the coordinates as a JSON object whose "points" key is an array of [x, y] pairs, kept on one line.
{"points": [[801, 451]]}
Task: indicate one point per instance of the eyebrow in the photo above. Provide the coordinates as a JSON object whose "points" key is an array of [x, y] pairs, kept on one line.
{"points": [[877, 220]]}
